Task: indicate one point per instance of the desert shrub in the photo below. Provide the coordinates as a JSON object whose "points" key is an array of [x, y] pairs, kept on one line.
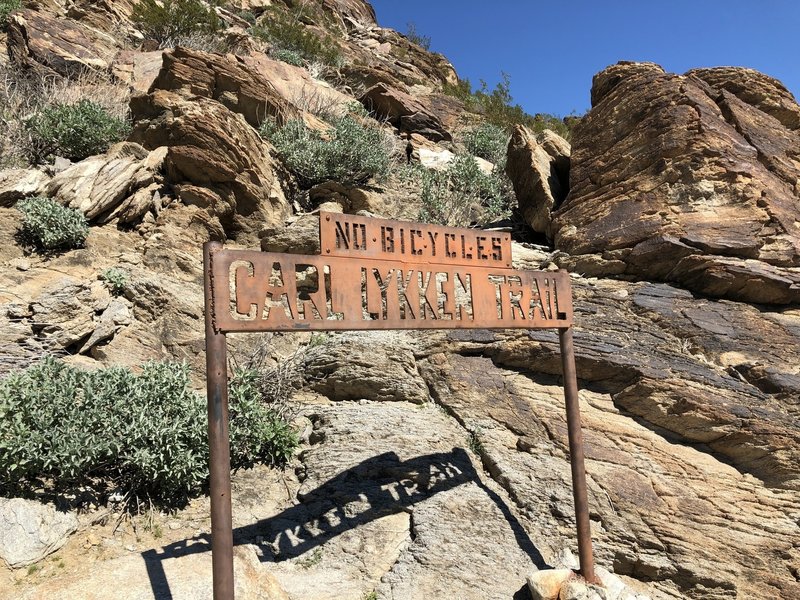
{"points": [[285, 31], [462, 194], [6, 8], [291, 57], [116, 280], [26, 93], [48, 226], [247, 15], [423, 41], [488, 141], [258, 433], [350, 153], [74, 131], [497, 108], [167, 20], [63, 427]]}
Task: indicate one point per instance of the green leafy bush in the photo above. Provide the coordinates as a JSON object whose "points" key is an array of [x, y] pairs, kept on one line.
{"points": [[488, 141], [497, 108], [48, 226], [258, 433], [288, 56], [62, 427], [169, 20], [6, 8], [463, 194], [287, 32], [116, 280], [74, 131], [350, 153]]}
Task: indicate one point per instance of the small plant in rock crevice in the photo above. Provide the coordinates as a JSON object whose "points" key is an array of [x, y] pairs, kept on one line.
{"points": [[415, 37], [116, 279], [47, 226]]}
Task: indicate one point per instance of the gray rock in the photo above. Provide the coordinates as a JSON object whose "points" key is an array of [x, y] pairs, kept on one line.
{"points": [[29, 530], [372, 366]]}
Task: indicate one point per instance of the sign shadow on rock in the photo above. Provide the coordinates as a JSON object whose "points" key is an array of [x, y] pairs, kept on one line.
{"points": [[374, 488]]}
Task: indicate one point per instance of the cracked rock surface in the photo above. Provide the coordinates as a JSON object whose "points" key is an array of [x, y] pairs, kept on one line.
{"points": [[697, 184]]}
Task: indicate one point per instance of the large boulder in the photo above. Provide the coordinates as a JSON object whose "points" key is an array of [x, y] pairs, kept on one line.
{"points": [[57, 46], [404, 111], [215, 159], [688, 179], [296, 86], [539, 172], [225, 78]]}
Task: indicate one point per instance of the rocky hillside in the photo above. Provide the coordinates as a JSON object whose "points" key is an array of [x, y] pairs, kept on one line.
{"points": [[431, 465]]}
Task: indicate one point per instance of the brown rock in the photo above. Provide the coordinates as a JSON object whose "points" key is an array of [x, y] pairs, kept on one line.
{"points": [[296, 86], [57, 46], [110, 16], [212, 147], [404, 112], [227, 79], [685, 184], [765, 93], [378, 366], [539, 171], [386, 56], [138, 69]]}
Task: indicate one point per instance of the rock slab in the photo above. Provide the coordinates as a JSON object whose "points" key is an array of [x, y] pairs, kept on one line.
{"points": [[30, 530]]}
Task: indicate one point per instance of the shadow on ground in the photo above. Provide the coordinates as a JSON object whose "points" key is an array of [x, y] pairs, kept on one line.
{"points": [[377, 487]]}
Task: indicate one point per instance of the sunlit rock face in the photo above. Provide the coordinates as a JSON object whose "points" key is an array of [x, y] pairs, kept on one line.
{"points": [[690, 179]]}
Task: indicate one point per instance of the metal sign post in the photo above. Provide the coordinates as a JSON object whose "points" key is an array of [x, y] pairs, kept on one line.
{"points": [[377, 274]]}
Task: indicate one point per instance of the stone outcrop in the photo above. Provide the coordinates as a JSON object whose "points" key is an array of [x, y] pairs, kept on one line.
{"points": [[226, 79], [16, 184], [379, 366], [216, 159], [29, 530], [296, 86], [403, 111], [137, 69], [539, 172], [386, 56], [51, 45], [761, 91], [121, 185], [683, 180]]}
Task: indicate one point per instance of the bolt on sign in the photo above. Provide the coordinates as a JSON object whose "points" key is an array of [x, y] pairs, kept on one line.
{"points": [[377, 274]]}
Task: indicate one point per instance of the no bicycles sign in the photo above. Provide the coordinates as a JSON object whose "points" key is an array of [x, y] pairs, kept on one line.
{"points": [[376, 274]]}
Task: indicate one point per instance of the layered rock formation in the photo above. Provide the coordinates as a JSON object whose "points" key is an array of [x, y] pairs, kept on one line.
{"points": [[436, 465], [686, 178]]}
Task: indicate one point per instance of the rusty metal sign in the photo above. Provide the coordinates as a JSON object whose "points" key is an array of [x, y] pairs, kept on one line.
{"points": [[260, 291], [377, 274], [383, 239]]}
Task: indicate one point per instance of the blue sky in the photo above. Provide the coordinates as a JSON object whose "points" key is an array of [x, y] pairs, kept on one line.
{"points": [[552, 49]]}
